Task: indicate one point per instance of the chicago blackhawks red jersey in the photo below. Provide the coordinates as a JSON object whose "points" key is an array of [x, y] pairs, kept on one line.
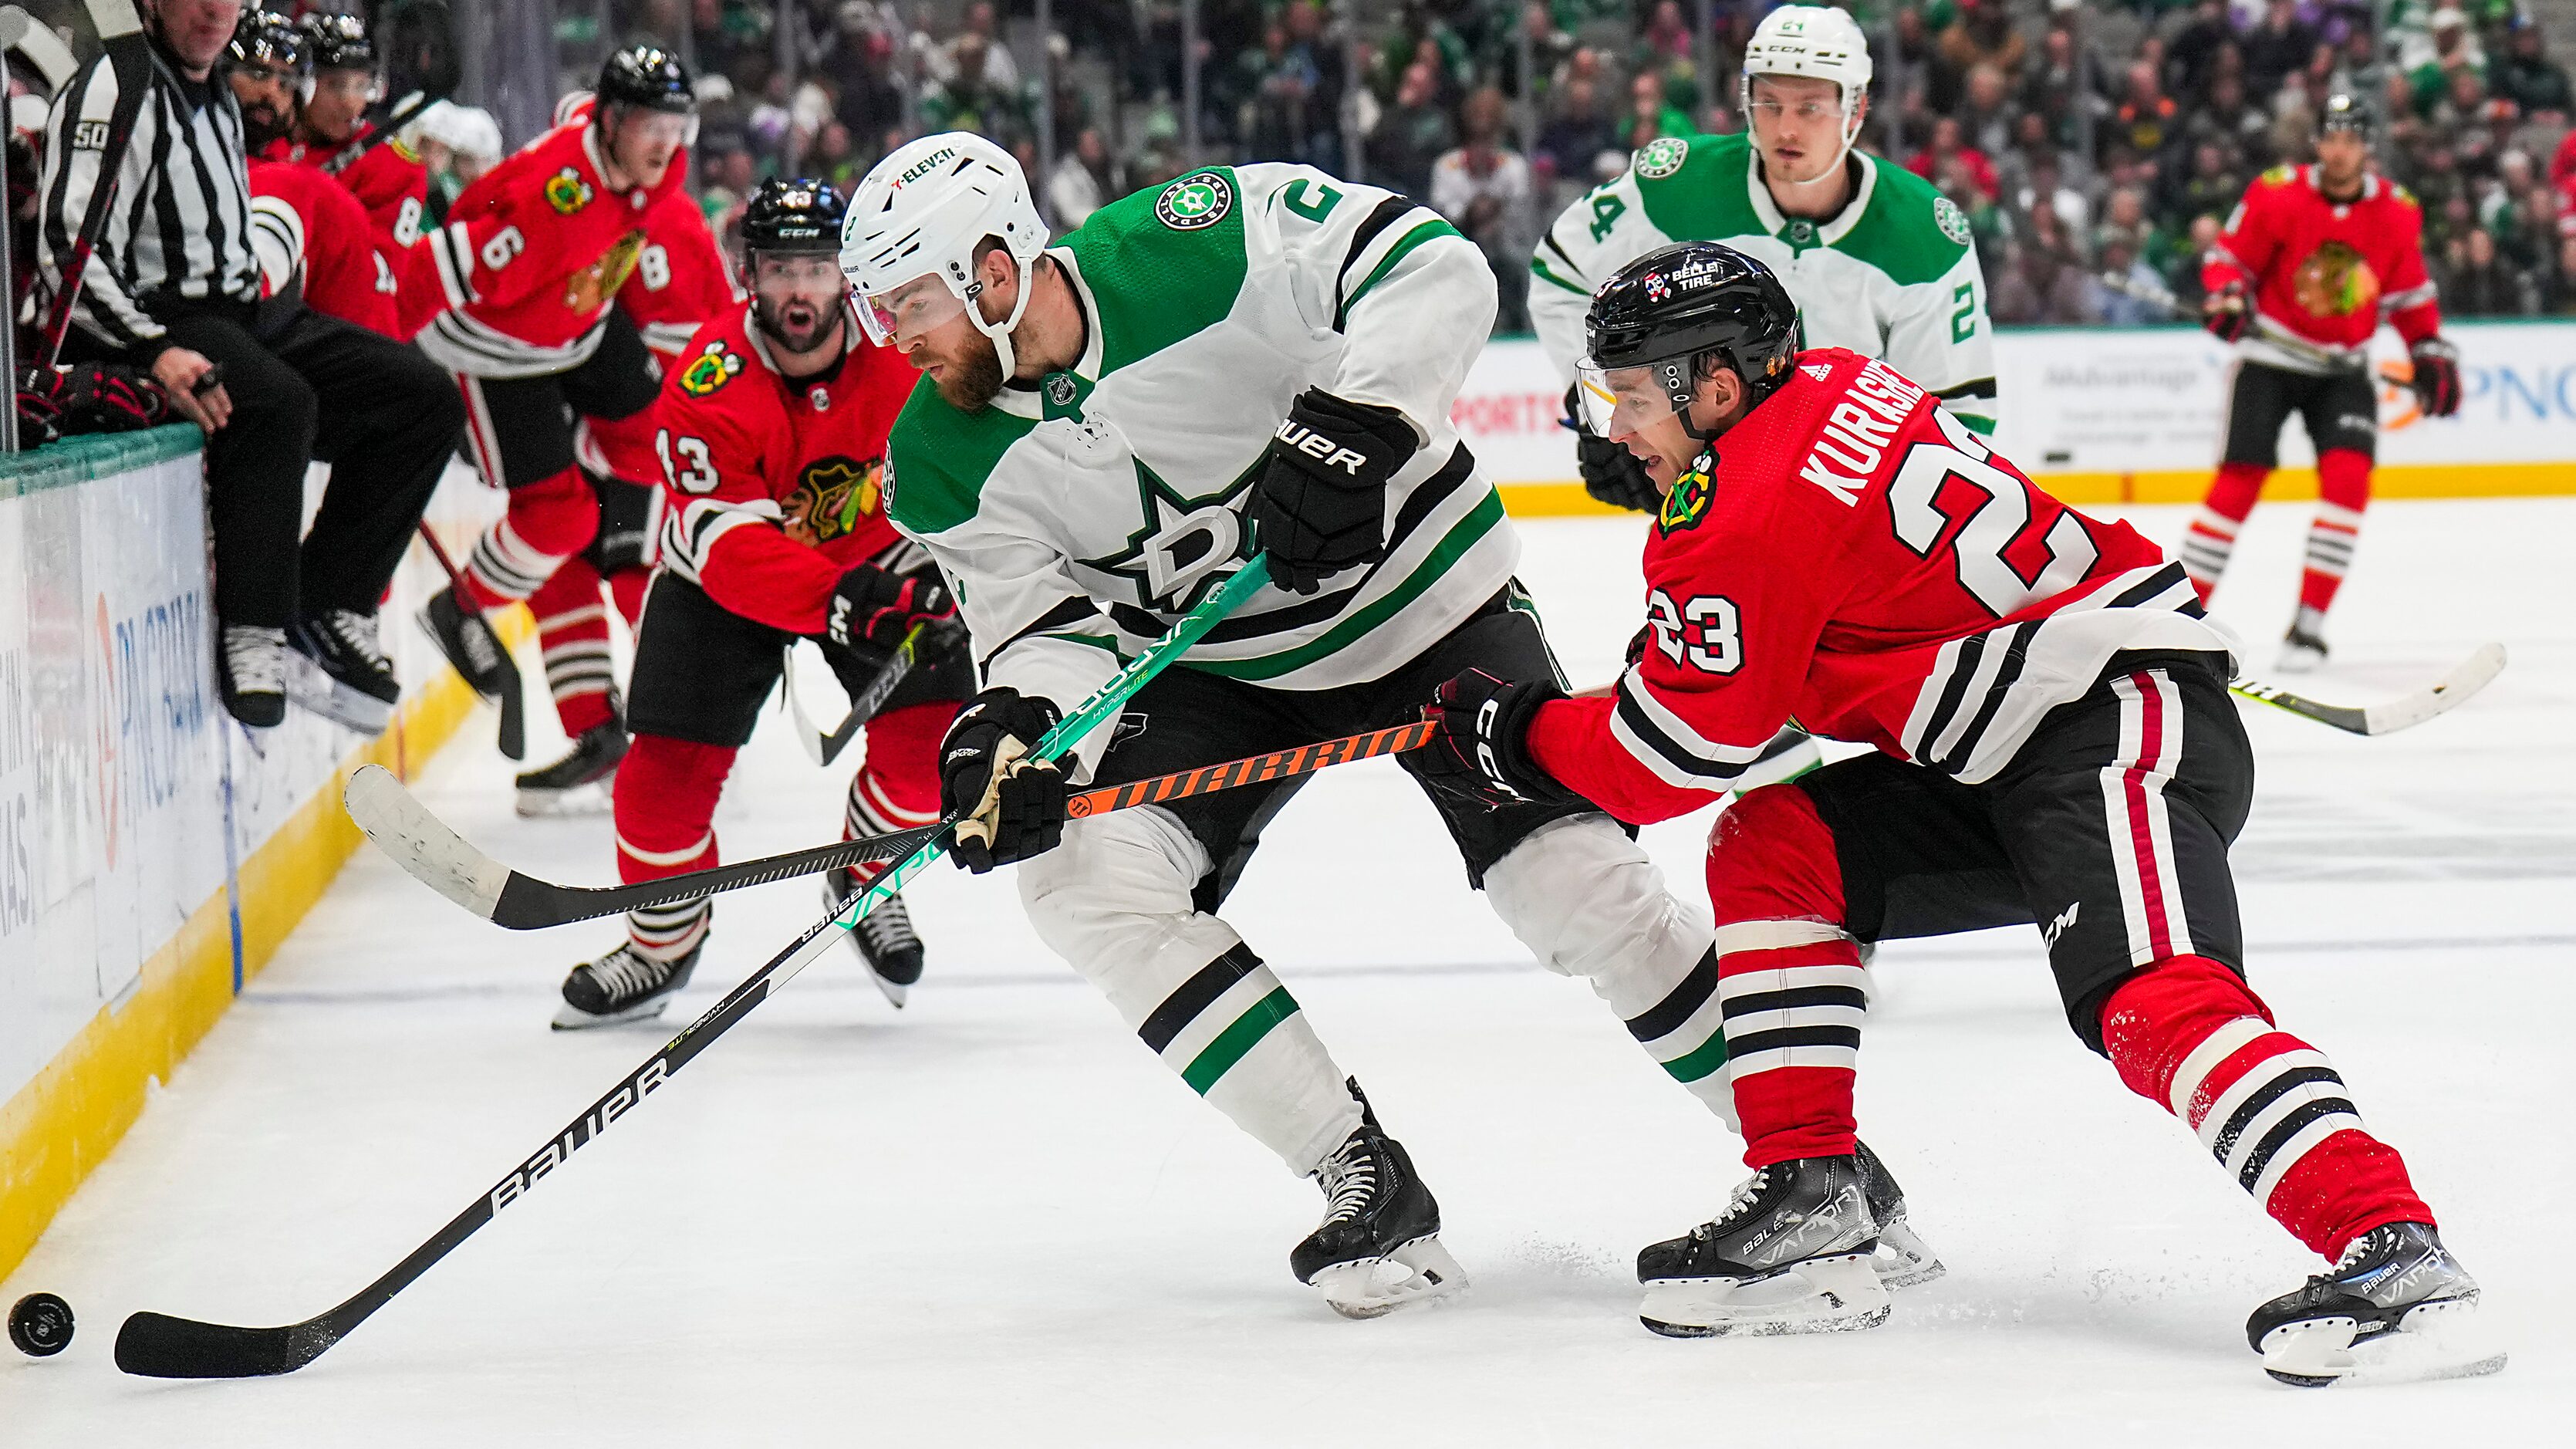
{"points": [[1862, 563], [775, 483], [2324, 273], [531, 256], [311, 232], [388, 180], [680, 282]]}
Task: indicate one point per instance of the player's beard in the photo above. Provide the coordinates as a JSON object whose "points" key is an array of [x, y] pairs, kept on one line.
{"points": [[974, 379], [263, 123], [819, 326]]}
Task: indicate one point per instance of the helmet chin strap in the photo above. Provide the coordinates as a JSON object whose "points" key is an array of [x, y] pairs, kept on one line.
{"points": [[999, 333]]}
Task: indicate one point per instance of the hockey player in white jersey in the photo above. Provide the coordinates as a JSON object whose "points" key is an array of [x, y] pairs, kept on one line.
{"points": [[1875, 258], [1250, 357]]}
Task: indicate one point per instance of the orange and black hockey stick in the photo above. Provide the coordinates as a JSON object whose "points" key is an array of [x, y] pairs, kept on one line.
{"points": [[441, 859]]}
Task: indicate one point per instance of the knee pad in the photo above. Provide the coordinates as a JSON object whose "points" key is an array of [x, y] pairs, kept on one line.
{"points": [[1587, 901], [1771, 857], [1114, 900]]}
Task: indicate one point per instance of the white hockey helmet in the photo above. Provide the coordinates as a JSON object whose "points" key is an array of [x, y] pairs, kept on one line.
{"points": [[920, 214], [1822, 42]]}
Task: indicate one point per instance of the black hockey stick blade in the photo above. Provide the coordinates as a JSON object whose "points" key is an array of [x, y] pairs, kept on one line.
{"points": [[156, 1345], [2388, 716], [514, 705]]}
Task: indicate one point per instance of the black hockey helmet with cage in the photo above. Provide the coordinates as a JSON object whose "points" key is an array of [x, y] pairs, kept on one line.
{"points": [[338, 42], [1682, 310], [267, 38], [792, 216], [648, 78]]}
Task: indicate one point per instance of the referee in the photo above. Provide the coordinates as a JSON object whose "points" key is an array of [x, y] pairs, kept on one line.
{"points": [[174, 289]]}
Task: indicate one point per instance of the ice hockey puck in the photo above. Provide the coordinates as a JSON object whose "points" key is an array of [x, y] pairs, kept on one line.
{"points": [[41, 1325]]}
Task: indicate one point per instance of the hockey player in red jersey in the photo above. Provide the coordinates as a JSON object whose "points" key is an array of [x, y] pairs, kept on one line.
{"points": [[772, 438], [311, 234], [679, 284], [2310, 263], [332, 135], [528, 263], [2054, 744]]}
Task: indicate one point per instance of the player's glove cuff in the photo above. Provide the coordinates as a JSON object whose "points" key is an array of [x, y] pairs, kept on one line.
{"points": [[1008, 805], [1481, 750], [2437, 376], [1320, 506]]}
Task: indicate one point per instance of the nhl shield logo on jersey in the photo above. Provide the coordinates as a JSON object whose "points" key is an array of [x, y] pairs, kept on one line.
{"points": [[2335, 281], [1662, 157], [830, 498], [709, 370], [1200, 199], [566, 192], [1952, 221]]}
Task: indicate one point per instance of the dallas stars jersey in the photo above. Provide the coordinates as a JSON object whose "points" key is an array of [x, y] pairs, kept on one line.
{"points": [[2324, 273], [1079, 518], [1892, 276]]}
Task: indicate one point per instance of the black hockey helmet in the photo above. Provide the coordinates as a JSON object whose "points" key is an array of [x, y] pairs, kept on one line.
{"points": [[338, 42], [264, 37], [649, 78], [789, 216], [1672, 317], [2345, 112]]}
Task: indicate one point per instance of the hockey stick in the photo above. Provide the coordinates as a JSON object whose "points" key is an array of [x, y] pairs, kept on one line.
{"points": [[824, 748], [159, 1346], [2388, 716], [439, 858], [2182, 311], [514, 705], [129, 56]]}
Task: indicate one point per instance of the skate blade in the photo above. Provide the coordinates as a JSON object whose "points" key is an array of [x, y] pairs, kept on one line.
{"points": [[594, 798], [311, 688], [569, 1017], [895, 991], [2445, 1340], [1417, 1272], [1903, 1259], [1821, 1295]]}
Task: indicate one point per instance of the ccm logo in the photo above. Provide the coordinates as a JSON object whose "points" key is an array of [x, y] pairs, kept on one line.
{"points": [[1315, 445]]}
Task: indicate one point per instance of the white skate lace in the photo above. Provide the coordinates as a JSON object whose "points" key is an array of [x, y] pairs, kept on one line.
{"points": [[255, 657], [356, 633], [1745, 1193], [1349, 1179], [888, 927], [625, 973]]}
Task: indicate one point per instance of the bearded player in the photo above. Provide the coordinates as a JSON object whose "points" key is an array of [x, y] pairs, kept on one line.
{"points": [[773, 434], [2310, 263], [1248, 357], [2055, 744]]}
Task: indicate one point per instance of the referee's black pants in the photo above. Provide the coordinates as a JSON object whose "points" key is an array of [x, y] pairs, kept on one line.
{"points": [[308, 387]]}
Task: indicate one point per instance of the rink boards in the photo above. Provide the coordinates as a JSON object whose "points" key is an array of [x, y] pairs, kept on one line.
{"points": [[151, 859]]}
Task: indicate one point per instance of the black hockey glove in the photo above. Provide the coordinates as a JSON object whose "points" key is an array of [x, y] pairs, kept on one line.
{"points": [[2437, 377], [1480, 752], [1320, 506], [873, 606], [2228, 313], [1014, 805], [1610, 472]]}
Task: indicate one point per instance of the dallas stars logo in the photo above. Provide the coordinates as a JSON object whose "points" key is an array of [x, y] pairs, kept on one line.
{"points": [[1186, 548], [1200, 199]]}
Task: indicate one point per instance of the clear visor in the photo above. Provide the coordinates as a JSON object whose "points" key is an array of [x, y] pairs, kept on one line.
{"points": [[902, 314], [661, 127], [1621, 401]]}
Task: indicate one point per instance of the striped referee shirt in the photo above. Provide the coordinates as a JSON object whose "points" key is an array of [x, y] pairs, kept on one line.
{"points": [[181, 224]]}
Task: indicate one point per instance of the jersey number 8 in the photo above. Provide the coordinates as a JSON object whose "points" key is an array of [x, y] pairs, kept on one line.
{"points": [[685, 462]]}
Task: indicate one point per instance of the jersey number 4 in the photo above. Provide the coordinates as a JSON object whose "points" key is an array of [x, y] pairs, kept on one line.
{"points": [[1994, 523]]}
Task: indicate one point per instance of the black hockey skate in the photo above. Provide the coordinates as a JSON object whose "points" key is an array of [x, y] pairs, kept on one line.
{"points": [[2396, 1287], [884, 937], [565, 787], [339, 672], [1378, 1248], [467, 641], [1903, 1260], [624, 985], [250, 672], [2303, 649], [1791, 1254]]}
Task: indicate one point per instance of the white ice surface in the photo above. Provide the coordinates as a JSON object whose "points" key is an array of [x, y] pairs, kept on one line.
{"points": [[992, 1218]]}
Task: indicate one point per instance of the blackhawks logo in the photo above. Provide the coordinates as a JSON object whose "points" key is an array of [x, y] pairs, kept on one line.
{"points": [[1688, 501], [566, 192], [590, 289], [1662, 157], [830, 498], [1200, 199], [709, 370], [2335, 282]]}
